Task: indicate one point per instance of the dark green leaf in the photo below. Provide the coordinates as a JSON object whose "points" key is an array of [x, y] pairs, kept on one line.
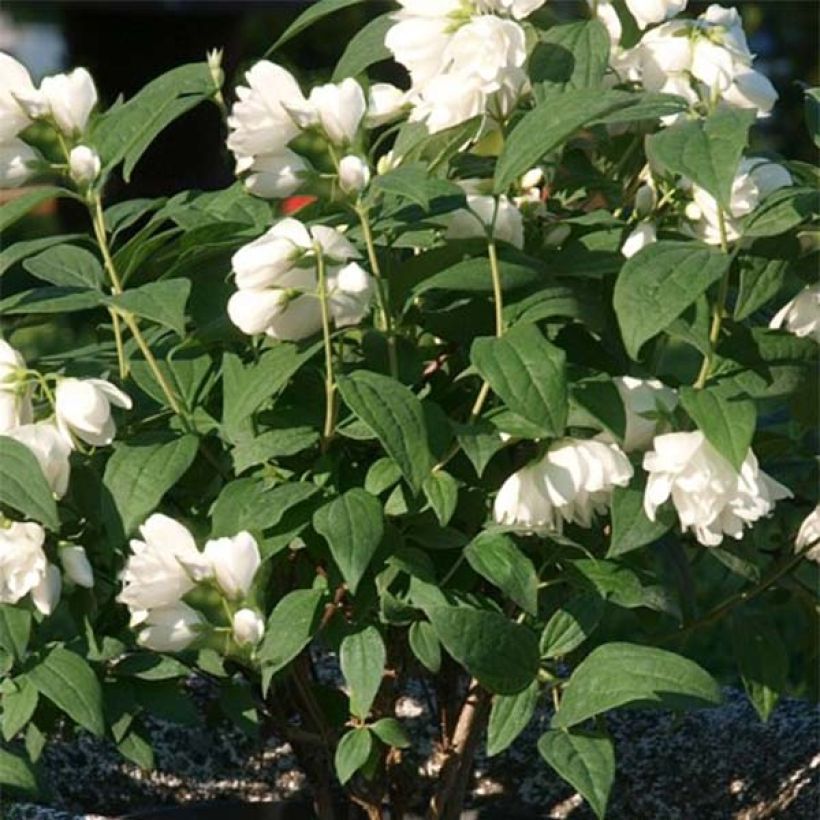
{"points": [[316, 11], [631, 529], [657, 284], [51, 300], [15, 630], [352, 753], [390, 732], [473, 276], [137, 749], [17, 773], [71, 685], [706, 151], [528, 373], [290, 627], [495, 557], [441, 490], [425, 645], [272, 444], [509, 716], [21, 250], [762, 661], [600, 403], [586, 760], [617, 674], [161, 302], [569, 56], [23, 485], [18, 207], [18, 707], [365, 48], [571, 624], [352, 525], [501, 654], [396, 416], [362, 658], [763, 269], [67, 266], [781, 211]]}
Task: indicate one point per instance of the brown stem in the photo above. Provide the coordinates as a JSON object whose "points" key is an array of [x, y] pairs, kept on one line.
{"points": [[454, 777]]}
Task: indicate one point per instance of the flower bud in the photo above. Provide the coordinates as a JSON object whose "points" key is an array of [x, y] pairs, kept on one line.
{"points": [[645, 201], [354, 174], [276, 176], [252, 311], [248, 627], [83, 164], [234, 562], [171, 628], [214, 60], [70, 99], [339, 108], [644, 234], [532, 179], [77, 566], [385, 103], [46, 595]]}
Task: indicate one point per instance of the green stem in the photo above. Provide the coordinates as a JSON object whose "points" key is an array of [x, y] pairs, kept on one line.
{"points": [[719, 308], [381, 295], [128, 318], [330, 386]]}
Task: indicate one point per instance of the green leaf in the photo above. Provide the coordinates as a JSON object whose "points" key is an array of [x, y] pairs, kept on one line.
{"points": [[528, 373], [763, 269], [647, 107], [551, 123], [501, 654], [272, 444], [657, 285], [571, 624], [137, 749], [425, 645], [569, 56], [353, 526], [71, 685], [138, 475], [21, 250], [586, 760], [17, 773], [706, 151], [812, 111], [67, 266], [51, 300], [18, 207], [617, 674], [125, 132], [362, 657], [23, 486], [781, 211], [247, 387], [15, 629], [728, 423], [480, 442], [290, 627], [495, 556], [352, 753], [390, 732], [396, 416], [473, 276], [441, 490], [317, 11], [18, 707], [509, 716], [598, 404], [762, 661], [161, 302], [412, 181], [249, 504], [631, 529], [365, 48]]}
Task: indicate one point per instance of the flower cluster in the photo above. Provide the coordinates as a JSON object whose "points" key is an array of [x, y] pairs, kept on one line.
{"points": [[465, 59], [65, 101], [575, 478], [166, 568], [278, 276]]}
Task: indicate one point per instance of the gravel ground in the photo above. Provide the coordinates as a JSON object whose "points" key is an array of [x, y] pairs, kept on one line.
{"points": [[709, 765]]}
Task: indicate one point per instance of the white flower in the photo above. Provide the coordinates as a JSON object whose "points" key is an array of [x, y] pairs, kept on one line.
{"points": [[809, 533], [164, 566], [46, 595], [253, 310], [385, 103], [234, 562], [351, 293], [751, 89], [445, 102], [83, 408], [15, 399], [260, 121], [354, 174], [710, 497], [645, 402], [17, 163], [608, 15], [338, 108], [171, 628], [755, 179], [23, 564], [248, 627], [83, 164], [801, 315], [15, 84], [420, 35], [647, 12], [484, 212], [517, 8], [51, 449], [77, 566], [644, 233], [572, 482], [267, 260], [276, 176], [70, 99]]}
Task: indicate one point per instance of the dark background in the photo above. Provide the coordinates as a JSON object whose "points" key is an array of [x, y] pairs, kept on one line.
{"points": [[125, 44]]}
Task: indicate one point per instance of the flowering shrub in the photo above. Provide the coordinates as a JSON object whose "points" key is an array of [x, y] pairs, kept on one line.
{"points": [[517, 401]]}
